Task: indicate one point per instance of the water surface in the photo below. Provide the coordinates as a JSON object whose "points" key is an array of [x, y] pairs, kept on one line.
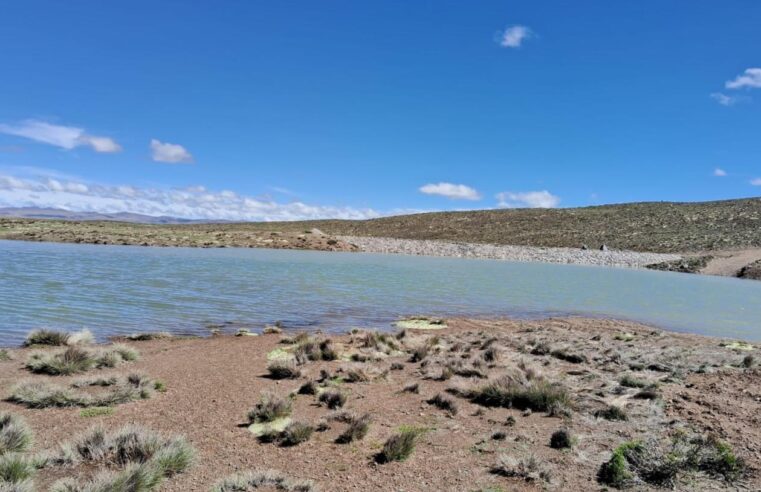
{"points": [[123, 289]]}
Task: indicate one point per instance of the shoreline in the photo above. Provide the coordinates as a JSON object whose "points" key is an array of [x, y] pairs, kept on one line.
{"points": [[698, 385]]}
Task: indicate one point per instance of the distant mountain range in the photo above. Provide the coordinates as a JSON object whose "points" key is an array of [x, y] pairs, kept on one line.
{"points": [[60, 214]]}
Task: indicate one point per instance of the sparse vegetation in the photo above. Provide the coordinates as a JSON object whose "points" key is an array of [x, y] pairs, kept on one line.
{"points": [[46, 337], [612, 412], [283, 369], [632, 382], [96, 412], [248, 482], [4, 355], [39, 394], [443, 402], [15, 436], [296, 433], [561, 439], [76, 360], [332, 399], [527, 468], [270, 408], [399, 447], [535, 395], [357, 429]]}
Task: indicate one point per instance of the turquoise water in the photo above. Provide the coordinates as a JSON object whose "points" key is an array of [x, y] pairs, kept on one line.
{"points": [[122, 289]]}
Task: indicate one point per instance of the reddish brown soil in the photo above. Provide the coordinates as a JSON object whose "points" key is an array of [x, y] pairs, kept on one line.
{"points": [[213, 382]]}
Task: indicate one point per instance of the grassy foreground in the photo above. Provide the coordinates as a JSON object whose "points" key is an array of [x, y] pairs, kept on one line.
{"points": [[558, 404]]}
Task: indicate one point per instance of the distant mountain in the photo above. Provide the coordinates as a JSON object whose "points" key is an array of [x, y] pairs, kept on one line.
{"points": [[60, 214]]}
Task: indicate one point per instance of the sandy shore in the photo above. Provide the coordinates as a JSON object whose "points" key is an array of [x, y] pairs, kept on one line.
{"points": [[695, 386], [631, 259]]}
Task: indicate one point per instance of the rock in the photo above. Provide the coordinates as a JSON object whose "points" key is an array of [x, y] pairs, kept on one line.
{"points": [[584, 247], [604, 248]]}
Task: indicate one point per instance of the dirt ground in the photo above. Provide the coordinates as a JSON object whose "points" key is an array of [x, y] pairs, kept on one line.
{"points": [[730, 263], [702, 387]]}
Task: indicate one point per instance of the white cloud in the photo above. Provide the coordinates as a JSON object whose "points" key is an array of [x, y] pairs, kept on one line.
{"points": [[451, 191], [528, 199], [167, 152], [724, 99], [719, 172], [755, 181], [751, 79], [193, 203], [66, 137], [514, 36]]}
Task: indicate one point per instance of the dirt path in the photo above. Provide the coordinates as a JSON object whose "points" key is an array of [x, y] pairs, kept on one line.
{"points": [[729, 263]]}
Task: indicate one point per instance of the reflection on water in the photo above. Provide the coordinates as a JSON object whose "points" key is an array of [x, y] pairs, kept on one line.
{"points": [[120, 289]]}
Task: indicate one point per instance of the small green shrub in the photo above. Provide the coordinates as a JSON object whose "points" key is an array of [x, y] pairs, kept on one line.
{"points": [[15, 436], [269, 408], [15, 469]]}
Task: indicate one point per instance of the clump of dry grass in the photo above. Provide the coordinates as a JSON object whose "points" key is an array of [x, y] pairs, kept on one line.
{"points": [[561, 438], [39, 394], [527, 467], [612, 412], [57, 338], [296, 433], [269, 408], [308, 388], [443, 402], [357, 429], [536, 395], [16, 472], [399, 447], [147, 458], [283, 369], [332, 399], [411, 388], [76, 360], [251, 481], [15, 435]]}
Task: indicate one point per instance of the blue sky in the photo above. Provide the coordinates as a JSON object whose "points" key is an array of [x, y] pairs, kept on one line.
{"points": [[282, 110]]}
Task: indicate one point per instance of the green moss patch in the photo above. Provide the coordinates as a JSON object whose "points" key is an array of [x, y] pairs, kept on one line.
{"points": [[421, 324], [279, 354], [96, 412], [738, 346]]}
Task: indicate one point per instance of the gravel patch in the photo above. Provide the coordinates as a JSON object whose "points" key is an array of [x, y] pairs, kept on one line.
{"points": [[611, 258]]}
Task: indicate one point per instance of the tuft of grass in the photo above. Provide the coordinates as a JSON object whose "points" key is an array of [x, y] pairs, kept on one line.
{"points": [[73, 360], [142, 477], [4, 355], [159, 385], [357, 429], [269, 408], [332, 399], [612, 412], [528, 468], [47, 337], [308, 388], [632, 382], [536, 395], [648, 393], [397, 366], [420, 353], [15, 435], [399, 447], [268, 480], [747, 362], [561, 439], [296, 433], [96, 412], [38, 394], [443, 402], [15, 469], [356, 376], [568, 356], [411, 388], [283, 369]]}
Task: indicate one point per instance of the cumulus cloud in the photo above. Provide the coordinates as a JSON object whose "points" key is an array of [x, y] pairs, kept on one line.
{"points": [[750, 79], [719, 172], [65, 137], [755, 181], [451, 191], [168, 152], [527, 199], [513, 36], [194, 203]]}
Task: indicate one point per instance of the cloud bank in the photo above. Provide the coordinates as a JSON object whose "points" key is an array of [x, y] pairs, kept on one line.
{"points": [[451, 191], [170, 153], [65, 137], [527, 199], [750, 79], [191, 203]]}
